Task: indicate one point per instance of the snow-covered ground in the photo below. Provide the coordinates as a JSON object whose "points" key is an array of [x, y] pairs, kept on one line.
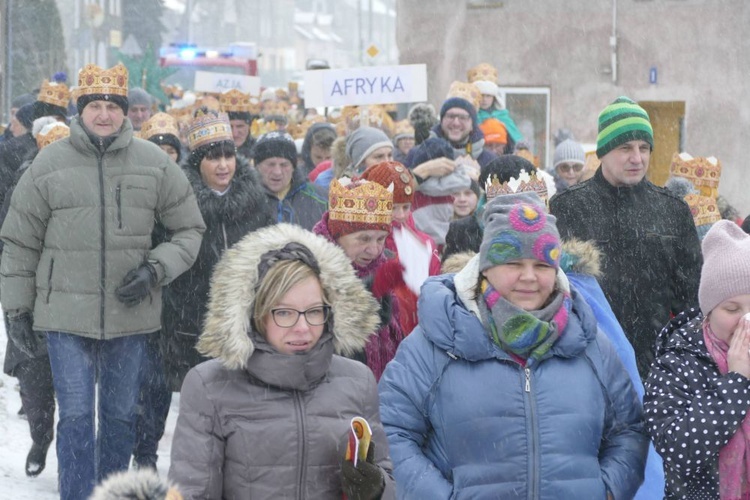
{"points": [[15, 443]]}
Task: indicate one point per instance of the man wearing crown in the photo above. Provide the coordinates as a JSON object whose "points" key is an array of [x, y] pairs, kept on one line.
{"points": [[78, 267], [651, 255]]}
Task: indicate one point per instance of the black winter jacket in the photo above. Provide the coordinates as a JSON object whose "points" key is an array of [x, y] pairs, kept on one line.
{"points": [[651, 255], [13, 153], [228, 218], [692, 410]]}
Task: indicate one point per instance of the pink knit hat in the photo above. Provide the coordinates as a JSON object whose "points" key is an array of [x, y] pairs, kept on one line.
{"points": [[726, 265]]}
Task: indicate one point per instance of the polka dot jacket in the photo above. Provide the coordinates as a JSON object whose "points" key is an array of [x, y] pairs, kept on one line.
{"points": [[691, 409]]}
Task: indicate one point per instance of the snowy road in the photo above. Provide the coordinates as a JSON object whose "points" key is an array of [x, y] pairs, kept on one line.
{"points": [[15, 443]]}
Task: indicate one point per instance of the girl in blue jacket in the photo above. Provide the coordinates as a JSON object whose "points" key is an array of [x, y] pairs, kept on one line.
{"points": [[506, 389]]}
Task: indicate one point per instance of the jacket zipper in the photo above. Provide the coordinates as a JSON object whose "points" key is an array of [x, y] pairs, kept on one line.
{"points": [[49, 278], [102, 219], [118, 198], [224, 232], [533, 480], [302, 464]]}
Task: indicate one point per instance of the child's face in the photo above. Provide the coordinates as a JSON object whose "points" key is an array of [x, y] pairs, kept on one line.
{"points": [[487, 100], [725, 317]]}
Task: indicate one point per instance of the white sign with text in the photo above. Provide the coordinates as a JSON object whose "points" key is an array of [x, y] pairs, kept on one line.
{"points": [[368, 85], [207, 81]]}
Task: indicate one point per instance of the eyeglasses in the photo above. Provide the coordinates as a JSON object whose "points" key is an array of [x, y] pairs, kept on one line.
{"points": [[287, 318], [455, 116], [566, 167]]}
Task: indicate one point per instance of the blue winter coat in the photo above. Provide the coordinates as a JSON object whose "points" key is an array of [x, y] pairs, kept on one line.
{"points": [[466, 421]]}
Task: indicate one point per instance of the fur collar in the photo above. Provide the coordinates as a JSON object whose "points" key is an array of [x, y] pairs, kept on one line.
{"points": [[227, 323], [243, 198]]}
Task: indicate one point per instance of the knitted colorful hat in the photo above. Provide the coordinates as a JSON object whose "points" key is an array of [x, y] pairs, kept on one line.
{"points": [[494, 131], [208, 127], [517, 226], [726, 265], [51, 133], [358, 206], [99, 84], [621, 122], [393, 173]]}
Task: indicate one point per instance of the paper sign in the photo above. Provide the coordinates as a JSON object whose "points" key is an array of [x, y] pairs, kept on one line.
{"points": [[369, 85], [208, 81], [415, 255], [360, 436]]}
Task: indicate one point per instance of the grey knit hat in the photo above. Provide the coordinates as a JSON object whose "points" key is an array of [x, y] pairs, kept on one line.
{"points": [[568, 151], [726, 265], [139, 97], [363, 141], [517, 226]]}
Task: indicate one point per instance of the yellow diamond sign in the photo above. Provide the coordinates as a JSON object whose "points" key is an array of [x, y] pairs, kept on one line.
{"points": [[372, 51]]}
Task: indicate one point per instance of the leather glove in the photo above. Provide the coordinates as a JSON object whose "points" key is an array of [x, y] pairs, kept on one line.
{"points": [[21, 333], [365, 481], [136, 285]]}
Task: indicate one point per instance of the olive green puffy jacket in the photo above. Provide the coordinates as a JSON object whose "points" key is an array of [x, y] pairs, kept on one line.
{"points": [[80, 220]]}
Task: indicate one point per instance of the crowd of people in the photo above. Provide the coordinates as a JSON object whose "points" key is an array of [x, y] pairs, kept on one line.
{"points": [[506, 329]]}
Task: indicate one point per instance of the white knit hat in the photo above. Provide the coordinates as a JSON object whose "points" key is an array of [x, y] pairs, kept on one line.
{"points": [[726, 265], [568, 151]]}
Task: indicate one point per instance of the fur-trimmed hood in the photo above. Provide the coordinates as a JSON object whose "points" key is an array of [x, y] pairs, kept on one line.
{"points": [[143, 484], [339, 157], [227, 324]]}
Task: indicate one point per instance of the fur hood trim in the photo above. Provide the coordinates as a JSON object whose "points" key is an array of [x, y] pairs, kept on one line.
{"points": [[583, 257], [340, 159], [143, 484], [227, 323]]}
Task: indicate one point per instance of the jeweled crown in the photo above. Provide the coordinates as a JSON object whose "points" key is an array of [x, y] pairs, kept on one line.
{"points": [[95, 80], [234, 101], [207, 128], [524, 183], [365, 202], [159, 124], [54, 93]]}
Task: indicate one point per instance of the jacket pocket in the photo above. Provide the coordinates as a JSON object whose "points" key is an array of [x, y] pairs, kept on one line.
{"points": [[135, 199], [49, 279]]}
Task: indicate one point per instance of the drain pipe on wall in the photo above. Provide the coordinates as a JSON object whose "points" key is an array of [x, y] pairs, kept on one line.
{"points": [[613, 43]]}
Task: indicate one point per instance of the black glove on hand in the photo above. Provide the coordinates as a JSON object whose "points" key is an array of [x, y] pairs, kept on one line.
{"points": [[21, 333], [136, 285], [365, 481]]}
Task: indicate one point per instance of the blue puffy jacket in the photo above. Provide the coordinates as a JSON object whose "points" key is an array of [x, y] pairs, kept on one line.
{"points": [[466, 421]]}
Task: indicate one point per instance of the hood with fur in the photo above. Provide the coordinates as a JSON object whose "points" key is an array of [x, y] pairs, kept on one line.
{"points": [[227, 323], [142, 484], [339, 157]]}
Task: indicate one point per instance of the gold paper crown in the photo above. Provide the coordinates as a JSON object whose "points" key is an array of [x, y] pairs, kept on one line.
{"points": [[95, 80], [365, 202], [299, 130], [159, 124], [208, 101], [56, 131], [482, 72], [275, 108], [234, 101], [404, 128], [523, 183], [377, 117], [207, 128], [704, 209], [260, 127], [704, 173], [56, 94], [465, 91]]}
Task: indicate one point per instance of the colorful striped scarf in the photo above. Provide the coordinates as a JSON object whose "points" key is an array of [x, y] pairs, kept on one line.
{"points": [[525, 335]]}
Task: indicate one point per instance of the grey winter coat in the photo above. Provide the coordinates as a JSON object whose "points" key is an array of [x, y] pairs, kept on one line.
{"points": [[258, 424], [80, 219]]}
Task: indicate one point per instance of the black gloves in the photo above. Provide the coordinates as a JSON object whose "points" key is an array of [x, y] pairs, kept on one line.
{"points": [[22, 334], [365, 481], [136, 285]]}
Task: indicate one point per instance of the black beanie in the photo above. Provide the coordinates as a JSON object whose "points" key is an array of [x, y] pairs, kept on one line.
{"points": [[25, 115], [120, 100], [42, 108], [169, 139], [245, 116], [430, 149], [275, 145], [505, 167]]}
